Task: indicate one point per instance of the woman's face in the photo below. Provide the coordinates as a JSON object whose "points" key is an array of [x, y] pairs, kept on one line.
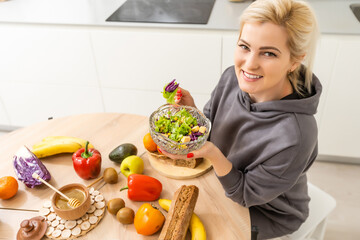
{"points": [[262, 61]]}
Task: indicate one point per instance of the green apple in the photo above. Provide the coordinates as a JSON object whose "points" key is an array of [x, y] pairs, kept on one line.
{"points": [[132, 164]]}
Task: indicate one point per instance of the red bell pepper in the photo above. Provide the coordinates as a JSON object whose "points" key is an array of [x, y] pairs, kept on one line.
{"points": [[87, 162], [143, 188]]}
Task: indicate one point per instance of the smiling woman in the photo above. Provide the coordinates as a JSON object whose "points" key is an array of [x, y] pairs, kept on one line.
{"points": [[294, 29], [262, 61], [264, 134]]}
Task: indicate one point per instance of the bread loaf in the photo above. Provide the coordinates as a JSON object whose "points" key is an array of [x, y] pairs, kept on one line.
{"points": [[180, 212], [190, 163]]}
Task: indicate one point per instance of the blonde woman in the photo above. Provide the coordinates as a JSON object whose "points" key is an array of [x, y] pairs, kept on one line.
{"points": [[264, 134]]}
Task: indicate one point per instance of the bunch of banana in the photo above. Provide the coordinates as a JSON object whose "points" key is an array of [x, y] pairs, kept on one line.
{"points": [[58, 144], [196, 227]]}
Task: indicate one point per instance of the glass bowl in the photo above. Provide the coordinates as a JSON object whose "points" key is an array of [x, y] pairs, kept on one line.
{"points": [[170, 145]]}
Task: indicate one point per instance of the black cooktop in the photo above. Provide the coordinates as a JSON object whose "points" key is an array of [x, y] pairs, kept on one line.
{"points": [[164, 11]]}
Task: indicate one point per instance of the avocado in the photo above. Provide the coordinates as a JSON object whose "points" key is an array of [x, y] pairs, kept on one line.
{"points": [[122, 151]]}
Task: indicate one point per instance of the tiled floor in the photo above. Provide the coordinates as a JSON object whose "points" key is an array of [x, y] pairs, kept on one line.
{"points": [[342, 181]]}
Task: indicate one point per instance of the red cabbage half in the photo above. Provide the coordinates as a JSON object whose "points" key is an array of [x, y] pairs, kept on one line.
{"points": [[25, 164]]}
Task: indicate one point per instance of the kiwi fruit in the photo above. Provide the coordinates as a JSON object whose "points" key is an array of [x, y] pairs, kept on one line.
{"points": [[125, 215], [115, 204], [110, 175]]}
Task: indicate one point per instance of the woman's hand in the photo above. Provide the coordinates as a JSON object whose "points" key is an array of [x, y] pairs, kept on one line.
{"points": [[221, 164], [203, 152], [183, 97]]}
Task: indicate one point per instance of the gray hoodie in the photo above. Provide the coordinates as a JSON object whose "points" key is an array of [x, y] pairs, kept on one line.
{"points": [[271, 146]]}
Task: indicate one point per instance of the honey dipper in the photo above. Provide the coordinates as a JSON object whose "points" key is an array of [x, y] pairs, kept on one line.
{"points": [[72, 202]]}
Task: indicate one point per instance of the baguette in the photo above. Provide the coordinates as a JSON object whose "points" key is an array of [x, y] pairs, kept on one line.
{"points": [[180, 212]]}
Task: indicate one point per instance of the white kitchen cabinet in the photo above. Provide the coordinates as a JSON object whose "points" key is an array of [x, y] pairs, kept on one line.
{"points": [[229, 45], [34, 102], [149, 59], [46, 71], [324, 63], [48, 55], [340, 128], [132, 64]]}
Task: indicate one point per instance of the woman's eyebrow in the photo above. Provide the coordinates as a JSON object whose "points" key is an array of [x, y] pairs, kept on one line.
{"points": [[262, 48], [245, 42], [270, 47]]}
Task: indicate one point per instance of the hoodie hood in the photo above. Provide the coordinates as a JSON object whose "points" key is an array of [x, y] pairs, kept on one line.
{"points": [[307, 105]]}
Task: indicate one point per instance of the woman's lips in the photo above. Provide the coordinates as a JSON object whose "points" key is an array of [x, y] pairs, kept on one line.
{"points": [[250, 77]]}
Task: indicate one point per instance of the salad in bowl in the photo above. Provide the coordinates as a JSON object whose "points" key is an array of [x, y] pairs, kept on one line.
{"points": [[179, 129]]}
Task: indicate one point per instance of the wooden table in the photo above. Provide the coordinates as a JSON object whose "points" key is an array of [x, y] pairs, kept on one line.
{"points": [[220, 215]]}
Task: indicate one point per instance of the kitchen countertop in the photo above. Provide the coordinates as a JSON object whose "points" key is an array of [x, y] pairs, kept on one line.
{"points": [[334, 16]]}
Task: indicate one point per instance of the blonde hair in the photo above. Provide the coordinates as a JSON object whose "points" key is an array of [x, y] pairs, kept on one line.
{"points": [[300, 23]]}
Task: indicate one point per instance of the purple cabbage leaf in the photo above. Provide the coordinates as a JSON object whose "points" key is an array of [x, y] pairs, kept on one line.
{"points": [[172, 86], [25, 164]]}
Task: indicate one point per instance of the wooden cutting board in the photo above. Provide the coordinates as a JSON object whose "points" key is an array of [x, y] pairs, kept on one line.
{"points": [[177, 172]]}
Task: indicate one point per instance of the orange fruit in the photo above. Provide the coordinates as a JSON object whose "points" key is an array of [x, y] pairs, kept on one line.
{"points": [[149, 143], [8, 187]]}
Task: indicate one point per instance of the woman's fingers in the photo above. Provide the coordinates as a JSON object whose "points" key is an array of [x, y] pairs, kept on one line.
{"points": [[184, 97], [177, 97], [172, 156]]}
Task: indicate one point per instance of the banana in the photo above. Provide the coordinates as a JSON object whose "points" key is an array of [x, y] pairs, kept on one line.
{"points": [[196, 227], [52, 148], [52, 142], [66, 138]]}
